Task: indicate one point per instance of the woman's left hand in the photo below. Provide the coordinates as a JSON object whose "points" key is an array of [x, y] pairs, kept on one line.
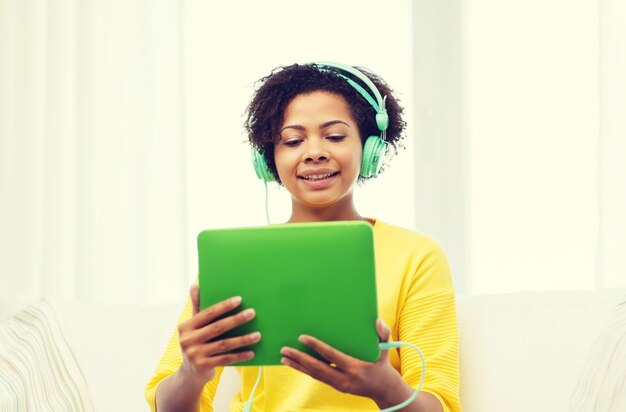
{"points": [[344, 373]]}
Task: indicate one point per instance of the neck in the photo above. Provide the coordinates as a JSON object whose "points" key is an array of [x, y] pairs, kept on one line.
{"points": [[342, 210]]}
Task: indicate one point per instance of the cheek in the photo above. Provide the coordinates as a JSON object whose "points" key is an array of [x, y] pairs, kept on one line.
{"points": [[284, 162], [354, 160]]}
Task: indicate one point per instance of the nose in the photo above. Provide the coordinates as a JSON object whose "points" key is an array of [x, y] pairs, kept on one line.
{"points": [[315, 152]]}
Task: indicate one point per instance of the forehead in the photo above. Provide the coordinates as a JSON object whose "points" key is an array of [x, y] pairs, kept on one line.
{"points": [[317, 105]]}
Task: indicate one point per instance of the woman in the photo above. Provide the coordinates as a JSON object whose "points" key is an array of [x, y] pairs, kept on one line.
{"points": [[318, 129]]}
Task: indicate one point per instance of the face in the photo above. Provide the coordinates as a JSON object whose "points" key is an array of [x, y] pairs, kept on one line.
{"points": [[318, 156]]}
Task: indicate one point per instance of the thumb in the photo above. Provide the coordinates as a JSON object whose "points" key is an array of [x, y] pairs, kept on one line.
{"points": [[195, 298], [384, 333]]}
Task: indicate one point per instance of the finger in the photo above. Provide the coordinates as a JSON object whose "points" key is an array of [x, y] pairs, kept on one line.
{"points": [[310, 365], [329, 353], [214, 311], [202, 328], [215, 329], [384, 333], [229, 359], [195, 301], [226, 345]]}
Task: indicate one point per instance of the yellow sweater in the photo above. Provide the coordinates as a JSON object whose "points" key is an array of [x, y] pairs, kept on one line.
{"points": [[415, 298]]}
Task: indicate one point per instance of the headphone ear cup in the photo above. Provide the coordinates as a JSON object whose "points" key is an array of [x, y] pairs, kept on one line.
{"points": [[373, 153], [260, 167]]}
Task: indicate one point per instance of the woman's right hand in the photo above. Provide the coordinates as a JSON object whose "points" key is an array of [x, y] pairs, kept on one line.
{"points": [[201, 353]]}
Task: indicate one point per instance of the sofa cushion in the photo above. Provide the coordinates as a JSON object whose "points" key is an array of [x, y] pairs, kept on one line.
{"points": [[39, 370], [523, 351], [118, 347]]}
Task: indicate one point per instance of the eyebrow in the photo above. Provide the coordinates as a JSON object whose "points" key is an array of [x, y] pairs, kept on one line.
{"points": [[323, 125]]}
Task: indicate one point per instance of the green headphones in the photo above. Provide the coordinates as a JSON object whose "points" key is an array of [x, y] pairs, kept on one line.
{"points": [[375, 146]]}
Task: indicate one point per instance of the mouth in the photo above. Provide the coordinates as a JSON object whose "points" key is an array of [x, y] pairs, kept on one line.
{"points": [[318, 177], [318, 181]]}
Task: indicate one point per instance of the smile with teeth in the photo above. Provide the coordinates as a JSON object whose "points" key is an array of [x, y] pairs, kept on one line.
{"points": [[319, 177]]}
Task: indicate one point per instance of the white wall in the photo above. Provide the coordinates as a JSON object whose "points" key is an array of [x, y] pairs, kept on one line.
{"points": [[531, 75], [441, 169], [612, 145], [91, 160], [229, 45], [506, 100]]}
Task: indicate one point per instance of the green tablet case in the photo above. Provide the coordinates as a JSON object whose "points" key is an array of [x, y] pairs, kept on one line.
{"points": [[313, 278]]}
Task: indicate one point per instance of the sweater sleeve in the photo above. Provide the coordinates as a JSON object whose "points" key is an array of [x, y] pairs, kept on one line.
{"points": [[169, 364], [427, 318]]}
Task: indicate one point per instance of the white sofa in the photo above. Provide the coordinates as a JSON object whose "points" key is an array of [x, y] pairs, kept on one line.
{"points": [[519, 352]]}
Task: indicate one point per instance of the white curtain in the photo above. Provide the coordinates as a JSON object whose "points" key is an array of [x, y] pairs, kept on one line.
{"points": [[612, 147], [92, 151]]}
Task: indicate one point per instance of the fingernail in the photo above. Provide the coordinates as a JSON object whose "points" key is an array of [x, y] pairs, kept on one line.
{"points": [[235, 301], [248, 313], [255, 336]]}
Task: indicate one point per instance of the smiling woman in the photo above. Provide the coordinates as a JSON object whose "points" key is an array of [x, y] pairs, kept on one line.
{"points": [[317, 129]]}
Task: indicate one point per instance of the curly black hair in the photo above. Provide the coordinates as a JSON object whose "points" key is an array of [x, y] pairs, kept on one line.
{"points": [[274, 93]]}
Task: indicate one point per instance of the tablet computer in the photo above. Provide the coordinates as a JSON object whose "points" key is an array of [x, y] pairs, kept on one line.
{"points": [[301, 278]]}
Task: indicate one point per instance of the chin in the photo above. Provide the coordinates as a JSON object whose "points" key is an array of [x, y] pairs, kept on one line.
{"points": [[320, 201], [317, 203]]}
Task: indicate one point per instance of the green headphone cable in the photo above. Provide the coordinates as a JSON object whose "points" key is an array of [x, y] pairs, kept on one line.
{"points": [[248, 405], [389, 345], [267, 212]]}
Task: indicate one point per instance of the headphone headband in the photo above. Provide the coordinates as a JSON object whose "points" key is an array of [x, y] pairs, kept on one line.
{"points": [[382, 119], [362, 77]]}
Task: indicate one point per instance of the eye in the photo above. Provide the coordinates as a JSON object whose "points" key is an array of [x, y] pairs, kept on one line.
{"points": [[292, 142], [336, 138]]}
